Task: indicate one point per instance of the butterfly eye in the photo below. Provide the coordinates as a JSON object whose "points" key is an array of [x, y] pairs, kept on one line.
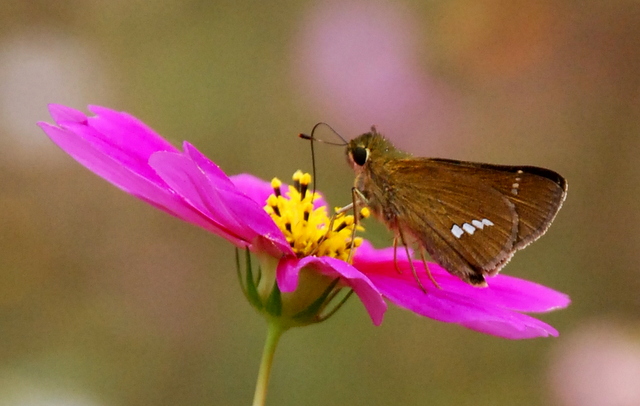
{"points": [[360, 155]]}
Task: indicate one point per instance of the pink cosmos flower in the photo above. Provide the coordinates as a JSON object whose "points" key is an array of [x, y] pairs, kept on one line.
{"points": [[249, 213]]}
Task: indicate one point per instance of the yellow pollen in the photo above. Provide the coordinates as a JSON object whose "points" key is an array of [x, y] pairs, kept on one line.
{"points": [[305, 179], [306, 228], [275, 184]]}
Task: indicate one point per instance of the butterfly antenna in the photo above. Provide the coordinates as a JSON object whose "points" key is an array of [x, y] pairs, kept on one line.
{"points": [[313, 166], [312, 138]]}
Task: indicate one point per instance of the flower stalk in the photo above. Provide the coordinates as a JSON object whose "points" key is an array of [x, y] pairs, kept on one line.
{"points": [[274, 332]]}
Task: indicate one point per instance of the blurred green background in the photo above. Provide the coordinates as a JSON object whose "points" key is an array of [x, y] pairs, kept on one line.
{"points": [[106, 301]]}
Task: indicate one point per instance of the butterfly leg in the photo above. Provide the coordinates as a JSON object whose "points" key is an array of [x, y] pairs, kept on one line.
{"points": [[344, 209], [426, 267], [395, 253], [356, 196], [413, 268]]}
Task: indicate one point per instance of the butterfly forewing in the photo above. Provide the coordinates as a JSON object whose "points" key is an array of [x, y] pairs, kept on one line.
{"points": [[537, 193], [466, 235]]}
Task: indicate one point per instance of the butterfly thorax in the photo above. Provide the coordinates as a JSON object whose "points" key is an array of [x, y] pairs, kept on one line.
{"points": [[368, 155]]}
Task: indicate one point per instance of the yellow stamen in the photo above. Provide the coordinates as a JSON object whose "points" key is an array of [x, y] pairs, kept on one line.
{"points": [[275, 184], [307, 228]]}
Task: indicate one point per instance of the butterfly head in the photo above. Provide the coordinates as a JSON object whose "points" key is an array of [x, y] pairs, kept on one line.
{"points": [[371, 146]]}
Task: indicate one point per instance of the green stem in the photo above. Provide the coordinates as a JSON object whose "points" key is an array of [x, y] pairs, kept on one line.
{"points": [[274, 331]]}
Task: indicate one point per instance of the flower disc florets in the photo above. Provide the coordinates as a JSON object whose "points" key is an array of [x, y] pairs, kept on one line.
{"points": [[309, 230], [312, 236]]}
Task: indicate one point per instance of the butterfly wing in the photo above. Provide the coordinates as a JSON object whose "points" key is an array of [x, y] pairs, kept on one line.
{"points": [[470, 217], [537, 193]]}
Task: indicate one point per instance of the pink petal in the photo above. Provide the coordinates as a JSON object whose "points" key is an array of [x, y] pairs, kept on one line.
{"points": [[119, 175], [61, 114], [525, 328], [451, 307], [127, 132], [289, 270], [493, 310], [213, 171], [503, 291], [255, 188], [117, 135], [132, 160], [184, 176], [520, 295], [119, 147], [241, 217]]}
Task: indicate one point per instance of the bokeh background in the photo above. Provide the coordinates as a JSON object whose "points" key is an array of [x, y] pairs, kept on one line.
{"points": [[105, 301]]}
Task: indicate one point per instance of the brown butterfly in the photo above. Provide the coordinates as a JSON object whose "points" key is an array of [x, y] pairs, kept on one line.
{"points": [[470, 217]]}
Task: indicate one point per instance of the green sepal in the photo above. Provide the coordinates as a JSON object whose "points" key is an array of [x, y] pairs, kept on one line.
{"points": [[239, 273], [251, 291], [314, 308], [274, 302]]}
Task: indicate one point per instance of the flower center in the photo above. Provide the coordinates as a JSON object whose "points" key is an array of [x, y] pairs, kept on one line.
{"points": [[309, 230]]}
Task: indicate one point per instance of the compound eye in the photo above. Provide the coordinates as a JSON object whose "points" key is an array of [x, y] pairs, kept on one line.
{"points": [[360, 155]]}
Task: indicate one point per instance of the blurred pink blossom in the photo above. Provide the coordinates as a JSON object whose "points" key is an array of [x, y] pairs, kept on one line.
{"points": [[597, 365], [357, 62]]}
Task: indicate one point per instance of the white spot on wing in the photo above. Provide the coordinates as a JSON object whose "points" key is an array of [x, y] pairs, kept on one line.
{"points": [[469, 228], [456, 231], [515, 186]]}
